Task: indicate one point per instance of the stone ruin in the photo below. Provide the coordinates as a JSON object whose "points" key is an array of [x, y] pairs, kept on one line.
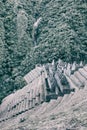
{"points": [[44, 83]]}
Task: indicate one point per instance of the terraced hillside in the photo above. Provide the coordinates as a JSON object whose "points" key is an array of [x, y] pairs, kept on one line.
{"points": [[28, 109], [38, 31]]}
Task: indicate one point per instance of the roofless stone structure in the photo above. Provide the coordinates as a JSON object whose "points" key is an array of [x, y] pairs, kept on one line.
{"points": [[44, 83]]}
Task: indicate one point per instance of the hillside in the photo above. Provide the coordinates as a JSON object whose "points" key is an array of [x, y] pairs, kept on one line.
{"points": [[23, 110], [38, 31]]}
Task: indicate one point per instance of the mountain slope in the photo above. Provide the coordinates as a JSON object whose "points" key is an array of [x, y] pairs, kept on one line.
{"points": [[61, 33], [67, 112]]}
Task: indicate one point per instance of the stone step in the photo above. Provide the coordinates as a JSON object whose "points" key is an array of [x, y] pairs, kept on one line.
{"points": [[59, 107], [65, 103], [85, 68], [80, 77], [83, 73], [49, 111], [76, 98], [32, 75], [15, 110], [33, 111], [42, 107], [49, 106], [72, 85], [20, 107], [64, 100], [76, 81], [4, 115]]}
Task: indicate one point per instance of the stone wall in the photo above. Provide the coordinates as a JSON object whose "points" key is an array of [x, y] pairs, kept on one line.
{"points": [[36, 91]]}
